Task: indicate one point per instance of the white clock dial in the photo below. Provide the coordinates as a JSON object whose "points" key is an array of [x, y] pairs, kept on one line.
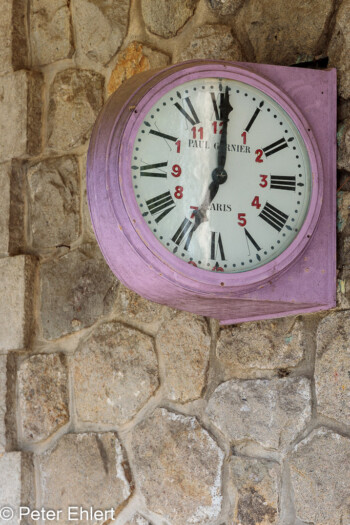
{"points": [[221, 175]]}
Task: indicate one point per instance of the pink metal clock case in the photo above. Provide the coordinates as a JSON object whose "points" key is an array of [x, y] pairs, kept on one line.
{"points": [[301, 279]]}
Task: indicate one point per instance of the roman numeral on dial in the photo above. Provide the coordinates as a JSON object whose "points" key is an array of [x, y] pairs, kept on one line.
{"points": [[283, 182], [159, 133], [183, 233], [144, 170], [273, 216], [255, 114], [221, 111], [215, 245], [161, 205], [252, 240], [192, 118], [275, 147]]}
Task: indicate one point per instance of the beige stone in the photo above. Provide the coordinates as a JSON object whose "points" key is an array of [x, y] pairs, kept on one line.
{"points": [[166, 17], [13, 36], [257, 485], [343, 288], [54, 203], [177, 466], [5, 175], [50, 31], [132, 306], [3, 390], [214, 42], [261, 410], [184, 343], [18, 208], [100, 28], [20, 114], [343, 229], [332, 369], [84, 470], [137, 519], [263, 345], [76, 96], [136, 58], [343, 138], [15, 301], [115, 373], [225, 7], [76, 290], [43, 396], [16, 485], [280, 32], [339, 48], [321, 478]]}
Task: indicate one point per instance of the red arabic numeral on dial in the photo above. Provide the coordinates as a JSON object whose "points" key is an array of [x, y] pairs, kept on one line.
{"points": [[242, 221], [193, 213], [176, 170], [259, 154], [178, 192], [194, 132], [263, 182], [256, 202], [178, 146], [244, 135], [215, 127]]}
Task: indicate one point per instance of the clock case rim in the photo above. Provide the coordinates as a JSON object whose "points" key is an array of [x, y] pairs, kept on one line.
{"points": [[120, 187]]}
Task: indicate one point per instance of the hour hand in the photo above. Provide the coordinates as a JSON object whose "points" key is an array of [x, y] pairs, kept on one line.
{"points": [[200, 215]]}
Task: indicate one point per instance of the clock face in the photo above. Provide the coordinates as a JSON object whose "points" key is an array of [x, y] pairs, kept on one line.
{"points": [[221, 175]]}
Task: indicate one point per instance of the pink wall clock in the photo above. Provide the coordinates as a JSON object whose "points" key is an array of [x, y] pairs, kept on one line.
{"points": [[211, 188]]}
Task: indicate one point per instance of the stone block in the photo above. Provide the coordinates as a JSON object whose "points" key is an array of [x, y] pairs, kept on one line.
{"points": [[75, 99], [54, 202], [5, 176], [184, 343], [177, 466], [225, 7], [261, 410], [16, 485], [100, 28], [257, 485], [132, 306], [134, 59], [50, 31], [320, 477], [339, 48], [43, 396], [279, 343], [137, 519], [343, 138], [20, 114], [210, 41], [84, 470], [166, 17], [76, 290], [13, 36], [17, 275], [279, 32], [115, 372], [18, 208], [332, 369], [3, 390]]}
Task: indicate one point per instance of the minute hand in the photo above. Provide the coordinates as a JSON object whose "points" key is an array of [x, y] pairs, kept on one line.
{"points": [[225, 110]]}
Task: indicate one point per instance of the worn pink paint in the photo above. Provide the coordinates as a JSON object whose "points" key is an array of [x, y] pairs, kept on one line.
{"points": [[302, 279]]}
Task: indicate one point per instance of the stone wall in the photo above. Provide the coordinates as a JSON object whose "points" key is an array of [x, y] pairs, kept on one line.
{"points": [[110, 401]]}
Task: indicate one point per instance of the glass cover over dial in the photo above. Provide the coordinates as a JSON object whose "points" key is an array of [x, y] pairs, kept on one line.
{"points": [[221, 175]]}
